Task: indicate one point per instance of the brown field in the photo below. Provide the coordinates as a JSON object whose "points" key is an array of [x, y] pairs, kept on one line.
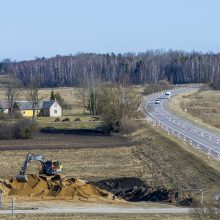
{"points": [[159, 161], [203, 107], [65, 141]]}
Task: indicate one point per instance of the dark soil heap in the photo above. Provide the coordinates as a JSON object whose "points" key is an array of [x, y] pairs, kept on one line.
{"points": [[136, 190]]}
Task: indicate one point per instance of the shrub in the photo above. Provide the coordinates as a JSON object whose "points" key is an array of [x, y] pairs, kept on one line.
{"points": [[57, 119], [129, 126], [94, 119], [24, 129], [66, 119], [5, 132], [3, 116], [77, 119]]}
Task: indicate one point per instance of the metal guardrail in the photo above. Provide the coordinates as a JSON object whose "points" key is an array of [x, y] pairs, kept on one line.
{"points": [[198, 145]]}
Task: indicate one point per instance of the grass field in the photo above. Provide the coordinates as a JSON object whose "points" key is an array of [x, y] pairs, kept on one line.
{"points": [[86, 121], [73, 96], [203, 107]]}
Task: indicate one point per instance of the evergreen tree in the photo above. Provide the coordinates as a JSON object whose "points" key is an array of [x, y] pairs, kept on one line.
{"points": [[52, 95]]}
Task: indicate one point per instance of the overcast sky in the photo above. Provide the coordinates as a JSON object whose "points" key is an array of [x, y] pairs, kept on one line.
{"points": [[36, 28]]}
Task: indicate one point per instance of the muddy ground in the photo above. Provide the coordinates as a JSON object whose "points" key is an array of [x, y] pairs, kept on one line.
{"points": [[58, 141]]}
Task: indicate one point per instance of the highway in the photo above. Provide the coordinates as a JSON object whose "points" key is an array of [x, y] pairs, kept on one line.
{"points": [[200, 138]]}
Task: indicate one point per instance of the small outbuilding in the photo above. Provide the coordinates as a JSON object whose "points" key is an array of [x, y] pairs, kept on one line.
{"points": [[51, 108]]}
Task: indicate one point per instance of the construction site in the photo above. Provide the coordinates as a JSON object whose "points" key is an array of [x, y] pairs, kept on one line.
{"points": [[146, 168]]}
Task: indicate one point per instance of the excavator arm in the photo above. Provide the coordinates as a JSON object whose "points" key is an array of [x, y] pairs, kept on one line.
{"points": [[22, 177]]}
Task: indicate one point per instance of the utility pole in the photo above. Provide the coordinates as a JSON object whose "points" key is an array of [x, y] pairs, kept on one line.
{"points": [[0, 199], [12, 206]]}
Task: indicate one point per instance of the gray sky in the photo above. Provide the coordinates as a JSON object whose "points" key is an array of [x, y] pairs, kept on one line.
{"points": [[39, 28]]}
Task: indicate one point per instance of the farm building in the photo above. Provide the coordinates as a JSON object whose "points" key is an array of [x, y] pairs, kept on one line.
{"points": [[51, 108], [45, 108]]}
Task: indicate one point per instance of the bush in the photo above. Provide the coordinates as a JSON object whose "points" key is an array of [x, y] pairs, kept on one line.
{"points": [[5, 132], [129, 126], [66, 119], [57, 119], [24, 129], [4, 116], [94, 119]]}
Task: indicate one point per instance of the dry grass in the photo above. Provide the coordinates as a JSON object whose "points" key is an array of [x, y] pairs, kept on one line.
{"points": [[201, 107], [78, 216], [86, 121], [72, 95]]}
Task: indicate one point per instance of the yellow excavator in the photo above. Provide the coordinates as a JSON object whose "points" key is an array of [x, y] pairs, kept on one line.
{"points": [[49, 167]]}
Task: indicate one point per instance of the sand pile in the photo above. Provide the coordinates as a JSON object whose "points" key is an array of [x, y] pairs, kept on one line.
{"points": [[42, 187]]}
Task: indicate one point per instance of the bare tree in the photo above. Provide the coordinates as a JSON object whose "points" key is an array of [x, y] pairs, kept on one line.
{"points": [[92, 85], [33, 96], [118, 106], [11, 88]]}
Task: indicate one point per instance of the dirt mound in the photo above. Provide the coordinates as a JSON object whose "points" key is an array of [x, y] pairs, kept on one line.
{"points": [[136, 190], [44, 187]]}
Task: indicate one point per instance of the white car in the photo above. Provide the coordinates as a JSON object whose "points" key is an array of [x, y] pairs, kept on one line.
{"points": [[157, 101], [168, 94]]}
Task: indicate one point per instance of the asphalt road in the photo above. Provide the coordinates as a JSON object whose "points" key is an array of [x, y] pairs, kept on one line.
{"points": [[191, 133], [106, 209]]}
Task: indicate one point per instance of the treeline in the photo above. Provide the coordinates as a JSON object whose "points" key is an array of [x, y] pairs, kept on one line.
{"points": [[149, 67]]}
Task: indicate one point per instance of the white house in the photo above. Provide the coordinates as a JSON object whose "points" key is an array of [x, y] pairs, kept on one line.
{"points": [[51, 108]]}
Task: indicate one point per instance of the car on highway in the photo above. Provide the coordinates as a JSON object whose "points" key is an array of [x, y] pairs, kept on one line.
{"points": [[168, 95], [157, 101]]}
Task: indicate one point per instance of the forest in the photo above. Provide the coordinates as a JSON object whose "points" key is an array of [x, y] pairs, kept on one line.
{"points": [[149, 67]]}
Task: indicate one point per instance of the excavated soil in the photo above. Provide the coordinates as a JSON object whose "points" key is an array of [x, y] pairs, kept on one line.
{"points": [[60, 188], [136, 190]]}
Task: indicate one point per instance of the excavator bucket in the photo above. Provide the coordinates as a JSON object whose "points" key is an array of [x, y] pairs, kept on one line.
{"points": [[22, 178]]}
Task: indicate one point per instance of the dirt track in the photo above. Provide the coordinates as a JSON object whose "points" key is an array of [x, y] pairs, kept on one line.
{"points": [[57, 141]]}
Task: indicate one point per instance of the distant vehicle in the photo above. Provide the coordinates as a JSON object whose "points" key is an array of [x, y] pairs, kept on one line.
{"points": [[168, 94], [157, 101]]}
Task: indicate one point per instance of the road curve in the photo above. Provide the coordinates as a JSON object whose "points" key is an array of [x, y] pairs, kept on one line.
{"points": [[198, 137]]}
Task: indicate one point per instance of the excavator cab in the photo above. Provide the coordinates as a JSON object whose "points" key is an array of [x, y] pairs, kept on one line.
{"points": [[49, 167], [52, 167]]}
